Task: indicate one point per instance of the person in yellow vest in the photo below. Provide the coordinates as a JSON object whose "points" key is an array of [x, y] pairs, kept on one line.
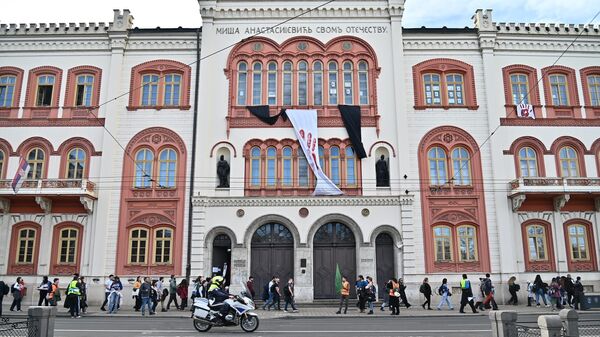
{"points": [[344, 294], [395, 296], [467, 294], [73, 293]]}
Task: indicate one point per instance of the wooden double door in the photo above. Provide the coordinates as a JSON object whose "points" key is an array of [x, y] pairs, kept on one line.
{"points": [[334, 245], [384, 255]]}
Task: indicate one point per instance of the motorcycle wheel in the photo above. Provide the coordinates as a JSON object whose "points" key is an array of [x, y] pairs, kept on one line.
{"points": [[249, 323], [202, 326]]}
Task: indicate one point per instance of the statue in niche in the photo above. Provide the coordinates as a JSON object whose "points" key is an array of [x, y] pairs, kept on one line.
{"points": [[223, 172], [382, 172]]}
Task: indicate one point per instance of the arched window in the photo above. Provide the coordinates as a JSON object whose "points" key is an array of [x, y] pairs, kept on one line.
{"points": [[45, 89], [432, 88], [363, 83], [593, 82], [138, 245], [322, 158], [272, 83], [287, 167], [536, 243], [334, 164], [348, 83], [67, 246], [7, 90], [271, 167], [560, 91], [519, 86], [569, 167], [528, 162], [467, 243], [442, 238], [143, 168], [172, 90], [318, 83], [85, 88], [350, 167], [302, 169], [149, 90], [437, 166], [287, 83], [36, 159], [26, 246], [168, 168], [455, 86], [75, 163], [257, 83], [255, 166], [302, 83], [242, 83], [1, 163], [578, 242], [461, 166], [163, 241], [333, 82]]}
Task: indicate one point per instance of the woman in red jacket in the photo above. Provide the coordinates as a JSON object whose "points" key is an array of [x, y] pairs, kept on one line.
{"points": [[182, 291]]}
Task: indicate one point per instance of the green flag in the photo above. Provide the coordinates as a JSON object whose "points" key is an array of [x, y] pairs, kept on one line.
{"points": [[338, 279]]}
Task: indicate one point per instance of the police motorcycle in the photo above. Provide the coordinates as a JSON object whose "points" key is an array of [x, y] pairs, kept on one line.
{"points": [[206, 315]]}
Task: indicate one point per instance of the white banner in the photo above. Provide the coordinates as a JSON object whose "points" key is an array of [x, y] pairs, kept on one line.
{"points": [[305, 126], [525, 111]]}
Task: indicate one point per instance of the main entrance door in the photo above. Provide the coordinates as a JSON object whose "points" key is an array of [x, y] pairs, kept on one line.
{"points": [[334, 245], [221, 258], [384, 246], [272, 254]]}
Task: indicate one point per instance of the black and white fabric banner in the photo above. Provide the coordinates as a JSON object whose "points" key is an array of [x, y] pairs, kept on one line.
{"points": [[305, 127], [262, 112]]}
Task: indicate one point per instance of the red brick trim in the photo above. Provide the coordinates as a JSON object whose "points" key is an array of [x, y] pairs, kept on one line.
{"points": [[539, 266], [33, 142], [590, 111], [574, 109], [536, 145], [383, 142], [576, 122], [443, 66], [30, 110], [161, 68], [595, 149], [57, 268], [13, 111], [577, 145], [581, 266], [223, 142], [67, 146], [24, 269], [69, 109], [52, 122], [8, 152], [534, 93]]}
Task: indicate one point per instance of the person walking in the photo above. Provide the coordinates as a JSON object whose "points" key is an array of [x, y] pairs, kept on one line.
{"points": [[172, 293], [394, 294], [115, 295], [466, 294], [425, 289], [569, 289], [540, 289], [554, 294], [83, 295], [530, 293], [144, 295], [162, 293], [344, 294], [488, 291], [135, 293], [154, 295], [288, 295], [107, 285], [386, 296], [197, 291], [360, 285], [403, 293], [73, 294], [444, 291], [54, 294], [513, 288], [4, 290], [370, 294], [44, 288], [18, 292], [250, 287], [276, 291], [479, 297], [182, 291], [578, 295], [267, 294]]}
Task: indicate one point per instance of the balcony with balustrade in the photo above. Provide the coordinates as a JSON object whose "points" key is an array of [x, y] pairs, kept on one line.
{"points": [[560, 190]]}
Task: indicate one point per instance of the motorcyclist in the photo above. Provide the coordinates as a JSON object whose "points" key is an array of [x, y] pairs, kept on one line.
{"points": [[216, 292]]}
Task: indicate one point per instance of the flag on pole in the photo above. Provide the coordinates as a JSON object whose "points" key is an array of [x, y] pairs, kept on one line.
{"points": [[338, 279], [21, 175]]}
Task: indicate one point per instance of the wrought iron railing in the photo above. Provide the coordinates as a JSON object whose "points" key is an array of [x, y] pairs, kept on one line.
{"points": [[589, 328], [17, 328]]}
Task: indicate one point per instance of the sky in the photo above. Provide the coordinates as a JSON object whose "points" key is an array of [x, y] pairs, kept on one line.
{"points": [[175, 13]]}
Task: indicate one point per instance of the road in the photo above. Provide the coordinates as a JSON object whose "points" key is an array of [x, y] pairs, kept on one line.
{"points": [[453, 326]]}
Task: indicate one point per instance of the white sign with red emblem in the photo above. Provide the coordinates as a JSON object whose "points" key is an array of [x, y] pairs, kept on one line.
{"points": [[525, 111]]}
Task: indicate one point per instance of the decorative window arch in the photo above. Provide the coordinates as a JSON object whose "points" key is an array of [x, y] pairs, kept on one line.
{"points": [[76, 162], [580, 244], [43, 92], [438, 171], [461, 166], [160, 84], [560, 91], [167, 166], [144, 162], [521, 85], [538, 246], [11, 80], [257, 96], [65, 258], [24, 248], [82, 94], [36, 158], [444, 83], [3, 162], [526, 163], [138, 245], [590, 82], [569, 153], [87, 151]]}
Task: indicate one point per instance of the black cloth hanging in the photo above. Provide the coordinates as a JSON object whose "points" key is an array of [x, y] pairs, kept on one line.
{"points": [[351, 117], [262, 112]]}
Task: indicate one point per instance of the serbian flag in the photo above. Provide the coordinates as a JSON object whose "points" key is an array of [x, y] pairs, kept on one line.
{"points": [[305, 127], [525, 111], [21, 175]]}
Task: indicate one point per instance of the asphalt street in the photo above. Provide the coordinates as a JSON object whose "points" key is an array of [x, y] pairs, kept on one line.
{"points": [[451, 326]]}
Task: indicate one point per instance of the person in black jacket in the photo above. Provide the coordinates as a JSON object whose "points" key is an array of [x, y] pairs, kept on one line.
{"points": [[403, 293], [540, 288], [4, 290], [426, 291]]}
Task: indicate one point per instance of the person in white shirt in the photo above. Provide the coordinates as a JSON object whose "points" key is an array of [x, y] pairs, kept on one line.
{"points": [[159, 293], [107, 285]]}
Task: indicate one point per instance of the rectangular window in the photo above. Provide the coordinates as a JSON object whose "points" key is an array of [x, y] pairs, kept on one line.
{"points": [[271, 172], [520, 89], [302, 88], [83, 95], [318, 88], [172, 89], [454, 84], [333, 87], [432, 89], [302, 170], [272, 88], [7, 89], [363, 88], [149, 90], [348, 88], [558, 84], [287, 88], [593, 87], [287, 172], [44, 91], [256, 88]]}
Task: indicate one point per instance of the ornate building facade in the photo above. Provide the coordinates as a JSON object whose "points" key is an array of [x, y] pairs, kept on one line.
{"points": [[474, 188]]}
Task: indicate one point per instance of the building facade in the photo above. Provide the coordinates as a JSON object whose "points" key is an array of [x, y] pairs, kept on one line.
{"points": [[474, 185]]}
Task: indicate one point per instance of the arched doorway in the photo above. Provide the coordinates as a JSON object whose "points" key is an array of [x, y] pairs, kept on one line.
{"points": [[272, 253], [333, 245], [221, 257], [384, 253]]}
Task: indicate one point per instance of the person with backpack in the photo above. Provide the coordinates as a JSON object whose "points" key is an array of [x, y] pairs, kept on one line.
{"points": [[425, 289], [18, 292], [466, 295], [513, 287], [267, 296], [4, 290], [360, 285], [488, 291], [288, 295], [444, 291], [44, 288], [344, 294], [54, 295], [144, 294], [370, 294], [276, 295], [154, 296], [172, 293], [182, 291], [115, 295]]}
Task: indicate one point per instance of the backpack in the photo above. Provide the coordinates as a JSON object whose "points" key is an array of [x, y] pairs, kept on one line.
{"points": [[517, 287], [265, 295], [441, 290], [422, 289], [4, 289]]}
